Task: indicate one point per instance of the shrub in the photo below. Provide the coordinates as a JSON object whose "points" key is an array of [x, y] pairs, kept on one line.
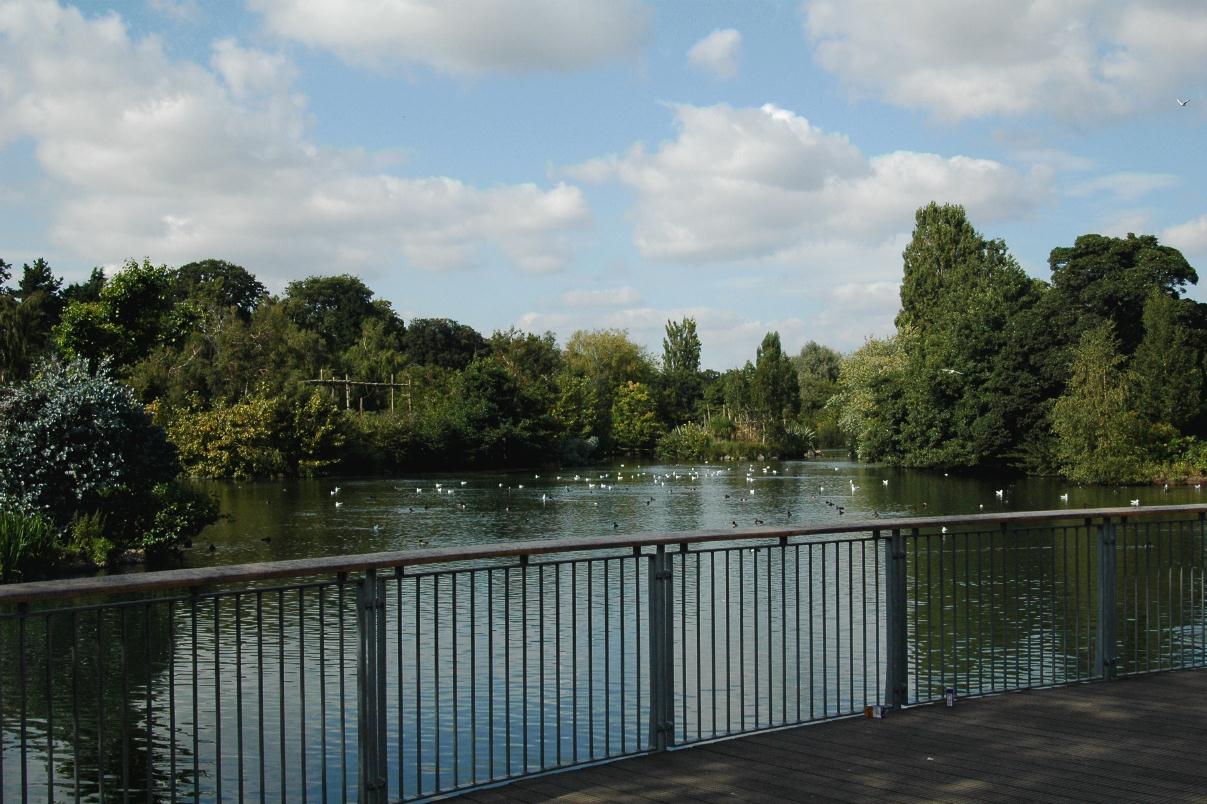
{"points": [[24, 539]]}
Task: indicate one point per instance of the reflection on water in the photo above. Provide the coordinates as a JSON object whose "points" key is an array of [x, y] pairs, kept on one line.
{"points": [[502, 670]]}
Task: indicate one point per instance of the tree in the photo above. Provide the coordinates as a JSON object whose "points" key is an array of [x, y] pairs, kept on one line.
{"points": [[76, 443], [1103, 278], [870, 401], [502, 421], [817, 369], [442, 342], [608, 359], [219, 285], [1166, 377], [1099, 433], [634, 417], [335, 308], [961, 297], [87, 291], [774, 389], [681, 383]]}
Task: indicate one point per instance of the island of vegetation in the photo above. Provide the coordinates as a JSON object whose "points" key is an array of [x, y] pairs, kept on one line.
{"points": [[112, 387]]}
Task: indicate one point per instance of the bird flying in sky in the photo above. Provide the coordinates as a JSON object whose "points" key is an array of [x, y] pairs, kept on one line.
{"points": [[1183, 102]]}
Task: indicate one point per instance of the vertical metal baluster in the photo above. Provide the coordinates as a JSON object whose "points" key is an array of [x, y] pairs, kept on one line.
{"points": [[942, 618], [49, 648], [590, 663], [742, 638], [452, 643], [524, 649], [302, 670], [22, 652], [123, 660], [1064, 604], [574, 660], [75, 704], [770, 642], [916, 676], [473, 680], [980, 613], [281, 691], [878, 621], [728, 653], [217, 706], [239, 693], [863, 615], [967, 612], [837, 628], [783, 630], [712, 633], [699, 684], [607, 664], [5, 647], [623, 718], [754, 615], [438, 785], [418, 692], [825, 639], [195, 725], [507, 665], [850, 625], [322, 595], [342, 581], [1148, 601], [557, 653], [490, 666], [260, 686], [812, 630], [541, 697], [682, 624], [637, 644]]}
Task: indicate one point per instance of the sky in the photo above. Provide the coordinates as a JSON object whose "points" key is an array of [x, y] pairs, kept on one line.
{"points": [[556, 165]]}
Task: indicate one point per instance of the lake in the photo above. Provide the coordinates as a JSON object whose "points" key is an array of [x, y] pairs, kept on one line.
{"points": [[286, 519]]}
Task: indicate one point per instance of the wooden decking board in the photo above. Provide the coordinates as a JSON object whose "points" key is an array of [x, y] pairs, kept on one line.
{"points": [[1137, 739]]}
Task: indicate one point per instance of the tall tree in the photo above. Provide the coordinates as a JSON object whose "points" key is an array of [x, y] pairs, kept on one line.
{"points": [[219, 285], [681, 370], [774, 390], [608, 359], [1166, 375], [1098, 430]]}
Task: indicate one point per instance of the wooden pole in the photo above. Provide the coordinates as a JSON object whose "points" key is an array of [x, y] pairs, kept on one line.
{"points": [[347, 393]]}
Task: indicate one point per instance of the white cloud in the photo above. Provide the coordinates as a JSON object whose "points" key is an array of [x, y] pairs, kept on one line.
{"points": [[1077, 59], [464, 36], [1189, 237], [755, 183], [1124, 186], [614, 297], [177, 10], [169, 159], [718, 53]]}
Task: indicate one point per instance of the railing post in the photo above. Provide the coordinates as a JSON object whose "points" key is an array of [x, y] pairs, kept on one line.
{"points": [[896, 679], [1105, 658], [661, 652], [370, 687]]}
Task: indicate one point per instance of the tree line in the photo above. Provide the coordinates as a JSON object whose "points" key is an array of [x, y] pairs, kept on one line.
{"points": [[227, 369], [1096, 375]]}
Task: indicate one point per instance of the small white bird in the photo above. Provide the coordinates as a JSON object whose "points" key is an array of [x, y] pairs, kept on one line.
{"points": [[943, 529], [1183, 102], [338, 503], [1136, 503], [1064, 498], [999, 493], [885, 482], [463, 482]]}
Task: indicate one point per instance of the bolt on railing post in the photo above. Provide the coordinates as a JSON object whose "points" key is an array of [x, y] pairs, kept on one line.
{"points": [[370, 687], [1105, 658], [896, 679], [661, 652]]}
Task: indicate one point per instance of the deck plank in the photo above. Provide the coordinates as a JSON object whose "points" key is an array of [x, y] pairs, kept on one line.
{"points": [[1137, 739]]}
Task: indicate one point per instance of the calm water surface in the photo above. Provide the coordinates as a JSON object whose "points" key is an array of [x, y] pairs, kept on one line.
{"points": [[287, 519]]}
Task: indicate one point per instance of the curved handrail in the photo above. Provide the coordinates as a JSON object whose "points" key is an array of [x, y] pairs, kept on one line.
{"points": [[330, 565]]}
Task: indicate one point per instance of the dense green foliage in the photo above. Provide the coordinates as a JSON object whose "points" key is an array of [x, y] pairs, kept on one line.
{"points": [[77, 445], [1098, 375]]}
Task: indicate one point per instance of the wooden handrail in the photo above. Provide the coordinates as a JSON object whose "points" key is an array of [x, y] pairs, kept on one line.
{"points": [[332, 565]]}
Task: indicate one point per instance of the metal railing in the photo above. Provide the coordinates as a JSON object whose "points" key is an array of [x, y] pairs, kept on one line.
{"points": [[402, 676]]}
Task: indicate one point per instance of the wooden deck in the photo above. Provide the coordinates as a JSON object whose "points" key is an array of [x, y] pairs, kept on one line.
{"points": [[1141, 739]]}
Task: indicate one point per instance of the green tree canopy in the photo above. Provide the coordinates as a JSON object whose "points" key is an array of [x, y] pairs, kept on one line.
{"points": [[442, 342], [335, 308], [681, 383], [1099, 433], [634, 417], [219, 285]]}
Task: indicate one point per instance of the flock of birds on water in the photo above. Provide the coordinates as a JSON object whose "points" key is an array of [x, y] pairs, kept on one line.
{"points": [[572, 487]]}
